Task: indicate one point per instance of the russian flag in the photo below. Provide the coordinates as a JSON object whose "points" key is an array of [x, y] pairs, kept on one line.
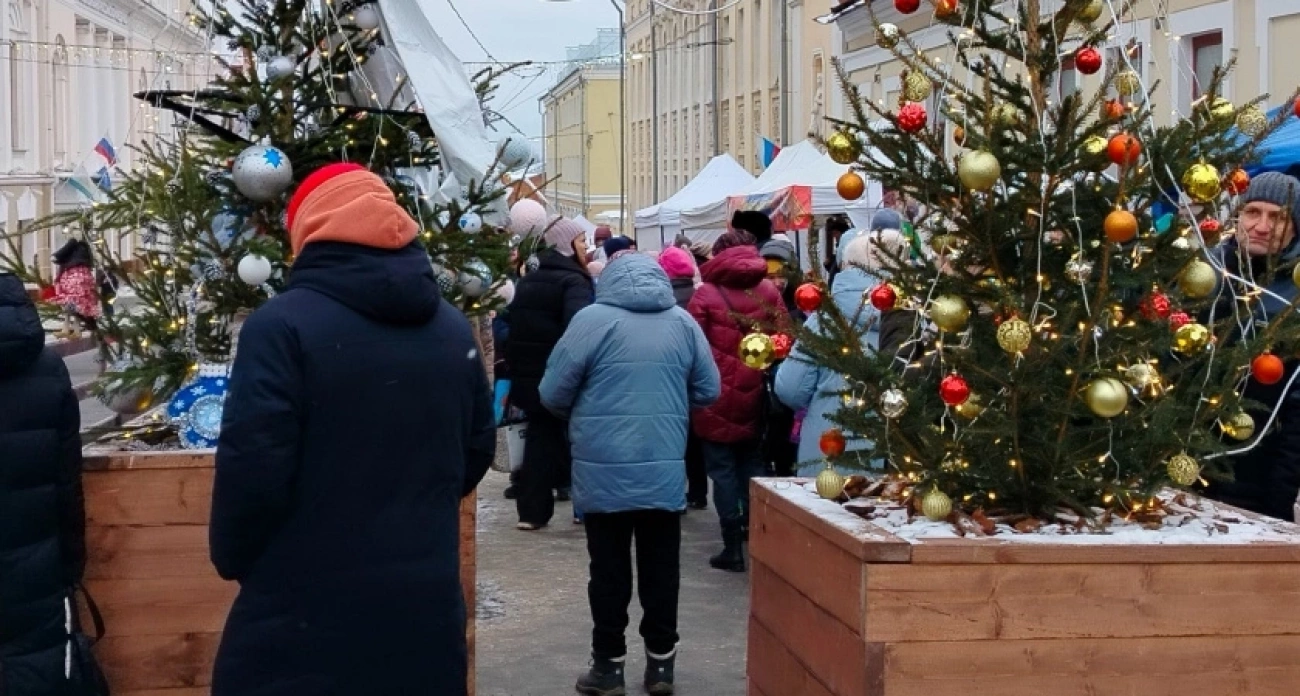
{"points": [[767, 151], [105, 150]]}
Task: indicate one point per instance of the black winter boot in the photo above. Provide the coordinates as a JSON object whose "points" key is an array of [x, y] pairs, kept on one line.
{"points": [[732, 557], [605, 678], [659, 675]]}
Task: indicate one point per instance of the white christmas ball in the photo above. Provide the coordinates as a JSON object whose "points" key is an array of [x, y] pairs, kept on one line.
{"points": [[528, 217], [254, 269], [444, 219], [280, 67], [470, 223], [262, 172], [366, 17], [475, 279], [514, 152]]}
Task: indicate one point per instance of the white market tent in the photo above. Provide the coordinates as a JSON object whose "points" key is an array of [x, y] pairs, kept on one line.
{"points": [[657, 225]]}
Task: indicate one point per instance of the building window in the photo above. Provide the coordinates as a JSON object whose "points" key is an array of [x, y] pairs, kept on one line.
{"points": [[1207, 56], [62, 101]]}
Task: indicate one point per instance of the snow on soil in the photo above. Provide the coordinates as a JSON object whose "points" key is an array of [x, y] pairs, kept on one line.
{"points": [[1200, 521]]}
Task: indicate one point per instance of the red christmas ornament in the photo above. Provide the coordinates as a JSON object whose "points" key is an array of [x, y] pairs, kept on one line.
{"points": [[907, 6], [1210, 226], [1087, 60], [1155, 306], [912, 117], [1266, 369], [781, 345], [808, 297], [1123, 149], [1178, 320], [832, 443], [1114, 110], [953, 390], [1236, 182], [883, 297], [1295, 106]]}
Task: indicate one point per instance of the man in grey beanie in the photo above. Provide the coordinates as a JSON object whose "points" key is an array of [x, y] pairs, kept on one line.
{"points": [[1270, 214]]}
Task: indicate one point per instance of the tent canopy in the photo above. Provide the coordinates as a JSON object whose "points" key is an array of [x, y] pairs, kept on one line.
{"points": [[1280, 151], [800, 175], [721, 177]]}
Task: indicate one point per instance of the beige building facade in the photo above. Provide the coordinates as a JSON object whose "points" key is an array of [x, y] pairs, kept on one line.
{"points": [[707, 83], [68, 69], [581, 138], [1179, 47]]}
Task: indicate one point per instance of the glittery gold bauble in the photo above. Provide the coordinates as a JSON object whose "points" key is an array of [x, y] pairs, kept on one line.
{"points": [[1295, 274], [1006, 115], [1106, 397], [917, 87], [1201, 182], [757, 350], [1251, 120], [943, 243], [888, 35], [936, 505], [1128, 83], [1191, 338], [970, 408], [1222, 110], [1182, 469], [1197, 279], [949, 313], [979, 170], [1014, 335], [1142, 376], [1094, 148], [830, 483], [1239, 427], [843, 147], [1090, 12]]}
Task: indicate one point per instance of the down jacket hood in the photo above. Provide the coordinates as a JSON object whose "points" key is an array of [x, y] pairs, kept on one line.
{"points": [[738, 267], [21, 336], [391, 286], [635, 283]]}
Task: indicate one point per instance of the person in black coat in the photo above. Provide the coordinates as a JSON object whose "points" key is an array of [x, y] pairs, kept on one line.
{"points": [[42, 514], [546, 300], [358, 417]]}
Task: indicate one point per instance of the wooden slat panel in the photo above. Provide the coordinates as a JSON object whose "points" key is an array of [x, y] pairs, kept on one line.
{"points": [[774, 670], [147, 552], [181, 691], [818, 640], [169, 459], [149, 497], [957, 551], [953, 602], [864, 540], [1194, 666], [823, 572], [160, 606], [158, 662]]}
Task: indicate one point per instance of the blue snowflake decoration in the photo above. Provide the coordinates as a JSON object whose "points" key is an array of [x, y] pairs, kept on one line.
{"points": [[196, 409], [273, 157]]}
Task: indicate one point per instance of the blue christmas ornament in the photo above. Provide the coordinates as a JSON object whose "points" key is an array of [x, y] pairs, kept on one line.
{"points": [[1164, 222], [196, 409]]}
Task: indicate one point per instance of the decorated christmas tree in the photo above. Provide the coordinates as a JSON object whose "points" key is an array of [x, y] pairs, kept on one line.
{"points": [[1080, 336], [298, 84]]}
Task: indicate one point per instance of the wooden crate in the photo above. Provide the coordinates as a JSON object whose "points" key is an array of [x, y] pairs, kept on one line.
{"points": [[148, 570], [841, 607]]}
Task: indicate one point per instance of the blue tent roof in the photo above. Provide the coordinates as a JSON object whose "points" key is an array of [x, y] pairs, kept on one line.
{"points": [[1280, 151]]}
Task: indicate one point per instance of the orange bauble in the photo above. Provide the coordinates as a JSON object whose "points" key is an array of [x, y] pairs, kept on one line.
{"points": [[1237, 182], [1267, 369], [959, 135], [1124, 149], [1121, 226], [1113, 110], [832, 443], [850, 186], [943, 8]]}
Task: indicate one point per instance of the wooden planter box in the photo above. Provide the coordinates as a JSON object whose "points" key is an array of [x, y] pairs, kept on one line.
{"points": [[148, 570], [840, 606]]}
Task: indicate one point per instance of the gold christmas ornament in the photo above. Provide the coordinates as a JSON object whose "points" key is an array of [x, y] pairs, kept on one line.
{"points": [[949, 313], [1295, 274], [1191, 338], [1222, 110], [1128, 83], [1090, 13], [1142, 376], [979, 170], [1197, 279], [917, 87], [1095, 150], [1006, 115], [1239, 427], [1014, 335], [888, 35], [936, 505], [1251, 120], [830, 483], [1201, 182], [971, 408], [843, 147], [757, 350], [1107, 397], [942, 243], [1182, 469]]}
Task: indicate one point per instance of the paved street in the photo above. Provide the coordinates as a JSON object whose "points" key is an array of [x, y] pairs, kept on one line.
{"points": [[84, 368], [534, 627]]}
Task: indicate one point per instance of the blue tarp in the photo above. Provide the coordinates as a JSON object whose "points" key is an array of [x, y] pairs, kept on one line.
{"points": [[1281, 150]]}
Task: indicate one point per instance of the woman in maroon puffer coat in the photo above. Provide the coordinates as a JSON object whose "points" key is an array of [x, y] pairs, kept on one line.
{"points": [[735, 299]]}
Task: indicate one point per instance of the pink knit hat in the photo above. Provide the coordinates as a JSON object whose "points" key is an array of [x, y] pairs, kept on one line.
{"points": [[677, 263], [561, 234]]}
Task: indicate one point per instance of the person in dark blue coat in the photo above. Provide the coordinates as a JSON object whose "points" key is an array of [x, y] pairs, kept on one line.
{"points": [[358, 416], [625, 376]]}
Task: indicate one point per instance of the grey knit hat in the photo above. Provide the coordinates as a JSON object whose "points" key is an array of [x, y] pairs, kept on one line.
{"points": [[1279, 189], [561, 234], [886, 219]]}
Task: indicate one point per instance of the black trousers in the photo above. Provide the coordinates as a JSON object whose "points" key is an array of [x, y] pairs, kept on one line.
{"points": [[546, 467], [697, 475], [658, 535]]}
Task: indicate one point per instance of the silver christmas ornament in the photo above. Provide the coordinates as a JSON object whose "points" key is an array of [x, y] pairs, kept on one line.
{"points": [[515, 152], [444, 219], [214, 177], [471, 223], [125, 401], [533, 263], [280, 67], [475, 278], [253, 113], [415, 141], [262, 173], [366, 18], [173, 187], [254, 269], [888, 35], [446, 279], [893, 403], [266, 52], [1078, 271]]}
